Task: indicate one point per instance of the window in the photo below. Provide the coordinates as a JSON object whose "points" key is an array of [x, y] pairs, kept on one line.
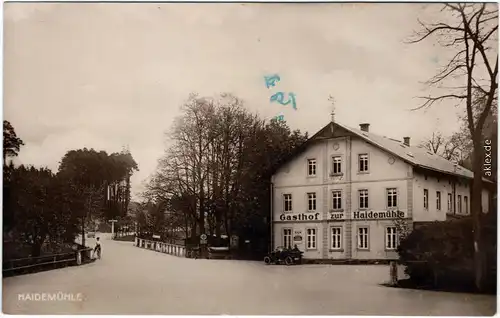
{"points": [[426, 199], [287, 237], [337, 165], [311, 201], [311, 239], [391, 238], [363, 163], [336, 238], [438, 200], [363, 238], [466, 204], [392, 198], [459, 202], [311, 167], [363, 199], [337, 200], [287, 202], [449, 202]]}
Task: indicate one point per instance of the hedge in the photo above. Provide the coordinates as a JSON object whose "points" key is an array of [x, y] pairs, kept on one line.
{"points": [[441, 254]]}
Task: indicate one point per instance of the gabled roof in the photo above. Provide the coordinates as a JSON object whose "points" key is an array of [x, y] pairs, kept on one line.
{"points": [[417, 156], [414, 155]]}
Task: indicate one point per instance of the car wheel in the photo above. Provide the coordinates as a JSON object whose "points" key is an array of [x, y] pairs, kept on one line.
{"points": [[267, 260], [288, 260]]}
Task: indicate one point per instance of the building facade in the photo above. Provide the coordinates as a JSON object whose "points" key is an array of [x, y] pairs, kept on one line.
{"points": [[341, 194]]}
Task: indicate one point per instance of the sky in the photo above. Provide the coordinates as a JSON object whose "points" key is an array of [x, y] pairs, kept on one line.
{"points": [[110, 75]]}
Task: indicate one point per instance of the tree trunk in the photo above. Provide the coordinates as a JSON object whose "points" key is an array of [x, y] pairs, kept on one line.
{"points": [[83, 231], [36, 248], [218, 222], [476, 210]]}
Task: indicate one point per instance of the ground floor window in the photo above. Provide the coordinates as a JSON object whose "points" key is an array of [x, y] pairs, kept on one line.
{"points": [[459, 202], [391, 239], [311, 239], [287, 237], [363, 238], [336, 238]]}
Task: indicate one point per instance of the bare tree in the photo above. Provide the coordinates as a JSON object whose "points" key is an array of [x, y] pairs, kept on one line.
{"points": [[453, 148], [470, 30]]}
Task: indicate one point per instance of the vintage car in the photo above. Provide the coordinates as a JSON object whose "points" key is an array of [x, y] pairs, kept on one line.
{"points": [[281, 255]]}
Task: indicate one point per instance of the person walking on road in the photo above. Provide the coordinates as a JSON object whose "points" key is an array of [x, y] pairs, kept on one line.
{"points": [[97, 248]]}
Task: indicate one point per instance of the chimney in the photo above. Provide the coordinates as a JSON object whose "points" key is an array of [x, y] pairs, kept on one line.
{"points": [[406, 141], [364, 127]]}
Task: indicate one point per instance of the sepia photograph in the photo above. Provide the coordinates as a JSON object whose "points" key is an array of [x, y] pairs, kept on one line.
{"points": [[250, 158]]}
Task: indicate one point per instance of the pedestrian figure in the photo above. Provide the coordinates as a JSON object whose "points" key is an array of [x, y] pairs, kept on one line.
{"points": [[97, 248]]}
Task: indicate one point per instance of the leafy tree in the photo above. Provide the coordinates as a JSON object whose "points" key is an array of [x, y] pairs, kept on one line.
{"points": [[215, 176], [41, 206], [470, 31], [11, 143], [90, 173]]}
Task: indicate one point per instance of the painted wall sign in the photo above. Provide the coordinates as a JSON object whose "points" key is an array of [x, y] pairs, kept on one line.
{"points": [[300, 217], [367, 215], [336, 215], [297, 236]]}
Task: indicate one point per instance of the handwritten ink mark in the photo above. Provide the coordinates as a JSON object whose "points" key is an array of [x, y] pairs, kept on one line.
{"points": [[279, 98], [271, 80]]}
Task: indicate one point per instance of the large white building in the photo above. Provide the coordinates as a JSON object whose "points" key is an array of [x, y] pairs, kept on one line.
{"points": [[339, 196]]}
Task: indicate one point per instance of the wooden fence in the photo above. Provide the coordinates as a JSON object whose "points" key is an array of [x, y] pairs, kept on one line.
{"points": [[171, 249], [68, 258]]}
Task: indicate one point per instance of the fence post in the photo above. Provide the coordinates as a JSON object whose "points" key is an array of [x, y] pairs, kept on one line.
{"points": [[136, 241], [78, 258], [394, 272]]}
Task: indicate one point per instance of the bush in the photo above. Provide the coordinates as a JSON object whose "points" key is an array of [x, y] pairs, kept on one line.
{"points": [[441, 254]]}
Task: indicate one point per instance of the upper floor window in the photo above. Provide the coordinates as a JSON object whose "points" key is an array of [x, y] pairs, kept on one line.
{"points": [[311, 167], [426, 199], [363, 163], [311, 201], [392, 198], [287, 202], [337, 200], [459, 203], [438, 200], [337, 165], [466, 204], [449, 202], [363, 199]]}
